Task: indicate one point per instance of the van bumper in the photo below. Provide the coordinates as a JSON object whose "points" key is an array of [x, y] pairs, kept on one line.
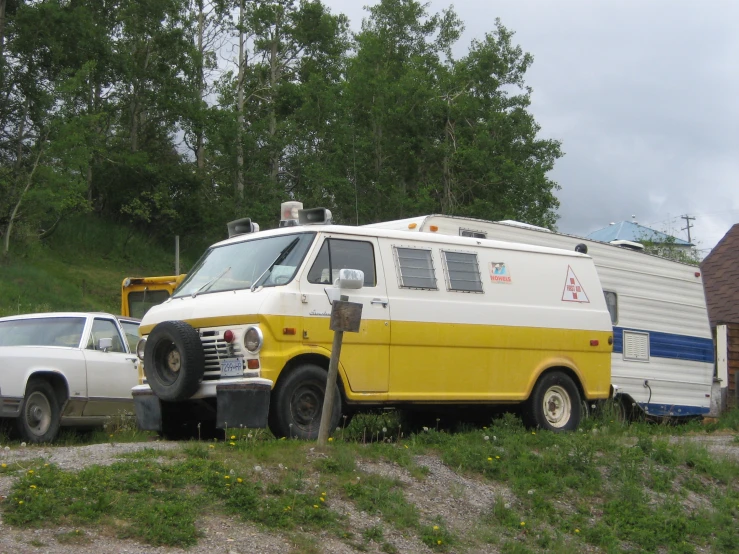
{"points": [[240, 403]]}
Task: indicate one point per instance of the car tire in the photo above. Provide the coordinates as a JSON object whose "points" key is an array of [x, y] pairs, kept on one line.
{"points": [[554, 403], [174, 361], [298, 404], [40, 415]]}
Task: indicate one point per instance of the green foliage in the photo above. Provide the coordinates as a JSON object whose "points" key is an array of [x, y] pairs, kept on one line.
{"points": [[119, 110]]}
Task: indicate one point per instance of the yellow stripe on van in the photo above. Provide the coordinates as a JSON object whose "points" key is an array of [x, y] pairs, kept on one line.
{"points": [[486, 363]]}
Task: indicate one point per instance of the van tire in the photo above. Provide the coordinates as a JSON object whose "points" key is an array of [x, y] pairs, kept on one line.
{"points": [[554, 404], [40, 415], [297, 403], [174, 361]]}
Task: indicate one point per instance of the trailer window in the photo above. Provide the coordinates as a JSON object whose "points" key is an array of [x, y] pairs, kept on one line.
{"points": [[612, 304], [462, 271], [336, 254], [415, 268]]}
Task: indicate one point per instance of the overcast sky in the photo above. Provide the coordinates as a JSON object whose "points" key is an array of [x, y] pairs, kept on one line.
{"points": [[643, 95]]}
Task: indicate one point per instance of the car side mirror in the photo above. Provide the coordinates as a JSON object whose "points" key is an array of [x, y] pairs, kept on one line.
{"points": [[105, 344], [349, 279]]}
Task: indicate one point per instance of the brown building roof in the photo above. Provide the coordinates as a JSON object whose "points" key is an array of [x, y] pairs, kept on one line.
{"points": [[721, 279]]}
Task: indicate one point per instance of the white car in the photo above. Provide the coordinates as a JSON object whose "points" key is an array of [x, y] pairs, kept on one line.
{"points": [[65, 369]]}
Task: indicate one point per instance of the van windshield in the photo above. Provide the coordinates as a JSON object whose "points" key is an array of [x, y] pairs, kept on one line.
{"points": [[266, 262]]}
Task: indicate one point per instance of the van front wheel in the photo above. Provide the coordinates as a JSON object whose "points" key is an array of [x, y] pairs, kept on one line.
{"points": [[554, 403], [297, 404]]}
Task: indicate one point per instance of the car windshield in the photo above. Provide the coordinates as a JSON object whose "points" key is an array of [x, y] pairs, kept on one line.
{"points": [[47, 331], [267, 262]]}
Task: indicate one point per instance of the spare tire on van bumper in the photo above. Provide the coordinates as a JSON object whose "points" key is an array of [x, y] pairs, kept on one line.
{"points": [[174, 361]]}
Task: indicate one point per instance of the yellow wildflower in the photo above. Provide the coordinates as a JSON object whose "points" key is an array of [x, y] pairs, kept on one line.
{"points": [[405, 445], [4, 466], [239, 480], [233, 437], [323, 494], [490, 459], [20, 502], [227, 477], [497, 457], [322, 499], [438, 542], [232, 443], [577, 530], [330, 439], [523, 523], [436, 527], [315, 505], [30, 472], [33, 486], [211, 446]]}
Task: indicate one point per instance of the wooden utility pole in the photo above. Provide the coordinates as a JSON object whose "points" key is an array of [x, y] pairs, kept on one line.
{"points": [[687, 227]]}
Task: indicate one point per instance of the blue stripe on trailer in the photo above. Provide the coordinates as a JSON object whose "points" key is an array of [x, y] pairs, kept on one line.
{"points": [[669, 345], [674, 411]]}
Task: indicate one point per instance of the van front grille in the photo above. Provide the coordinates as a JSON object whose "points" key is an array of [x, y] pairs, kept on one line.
{"points": [[216, 349]]}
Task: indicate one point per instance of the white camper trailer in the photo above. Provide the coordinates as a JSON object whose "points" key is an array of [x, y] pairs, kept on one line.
{"points": [[663, 355]]}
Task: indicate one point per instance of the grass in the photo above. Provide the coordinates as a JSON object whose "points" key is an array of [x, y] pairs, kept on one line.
{"points": [[80, 268], [607, 487]]}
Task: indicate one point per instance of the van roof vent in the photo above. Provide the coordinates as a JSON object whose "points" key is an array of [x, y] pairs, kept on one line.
{"points": [[631, 245]]}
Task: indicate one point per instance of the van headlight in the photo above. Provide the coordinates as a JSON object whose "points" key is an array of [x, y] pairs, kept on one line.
{"points": [[141, 348], [253, 339]]}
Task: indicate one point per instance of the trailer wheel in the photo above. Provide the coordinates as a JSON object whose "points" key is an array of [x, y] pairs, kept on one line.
{"points": [[39, 419], [554, 403], [298, 404], [174, 361]]}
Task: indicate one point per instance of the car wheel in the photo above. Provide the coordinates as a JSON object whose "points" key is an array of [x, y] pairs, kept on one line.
{"points": [[298, 404], [554, 403], [174, 361], [39, 419]]}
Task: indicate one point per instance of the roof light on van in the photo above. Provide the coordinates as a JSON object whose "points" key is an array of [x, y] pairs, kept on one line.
{"points": [[314, 216], [289, 213], [412, 225], [433, 228]]}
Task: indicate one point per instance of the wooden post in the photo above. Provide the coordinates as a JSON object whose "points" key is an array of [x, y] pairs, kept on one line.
{"points": [[345, 316]]}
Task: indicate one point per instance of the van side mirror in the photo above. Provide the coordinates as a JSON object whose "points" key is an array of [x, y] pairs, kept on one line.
{"points": [[105, 344], [349, 279]]}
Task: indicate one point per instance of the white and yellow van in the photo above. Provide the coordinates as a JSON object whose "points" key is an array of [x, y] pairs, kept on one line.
{"points": [[445, 320]]}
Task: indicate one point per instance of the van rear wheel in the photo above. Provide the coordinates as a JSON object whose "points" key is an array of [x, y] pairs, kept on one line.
{"points": [[554, 403], [297, 404]]}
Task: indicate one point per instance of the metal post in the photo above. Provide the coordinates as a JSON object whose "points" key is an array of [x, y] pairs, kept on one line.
{"points": [[177, 254]]}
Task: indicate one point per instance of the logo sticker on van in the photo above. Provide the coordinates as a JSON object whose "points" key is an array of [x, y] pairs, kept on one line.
{"points": [[499, 273], [573, 289]]}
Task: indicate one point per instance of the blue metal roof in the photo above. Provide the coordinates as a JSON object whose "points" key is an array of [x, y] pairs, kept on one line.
{"points": [[628, 230]]}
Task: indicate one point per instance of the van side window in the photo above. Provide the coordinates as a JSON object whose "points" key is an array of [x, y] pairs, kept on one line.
{"points": [[415, 268], [462, 271], [612, 304], [473, 234], [336, 254]]}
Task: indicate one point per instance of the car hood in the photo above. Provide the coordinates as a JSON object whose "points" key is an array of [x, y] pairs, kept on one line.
{"points": [[208, 310]]}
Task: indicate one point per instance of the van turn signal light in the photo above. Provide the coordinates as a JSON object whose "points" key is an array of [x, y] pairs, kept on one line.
{"points": [[594, 342], [288, 330], [252, 364]]}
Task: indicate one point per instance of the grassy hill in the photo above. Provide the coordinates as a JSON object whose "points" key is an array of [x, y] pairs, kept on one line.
{"points": [[81, 266]]}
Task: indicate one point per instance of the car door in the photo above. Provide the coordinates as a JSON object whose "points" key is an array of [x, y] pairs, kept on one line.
{"points": [[364, 355], [111, 374]]}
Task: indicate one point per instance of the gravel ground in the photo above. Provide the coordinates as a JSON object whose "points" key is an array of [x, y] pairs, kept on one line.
{"points": [[442, 492]]}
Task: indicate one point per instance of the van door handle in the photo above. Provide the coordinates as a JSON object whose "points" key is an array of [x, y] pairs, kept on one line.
{"points": [[379, 301]]}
